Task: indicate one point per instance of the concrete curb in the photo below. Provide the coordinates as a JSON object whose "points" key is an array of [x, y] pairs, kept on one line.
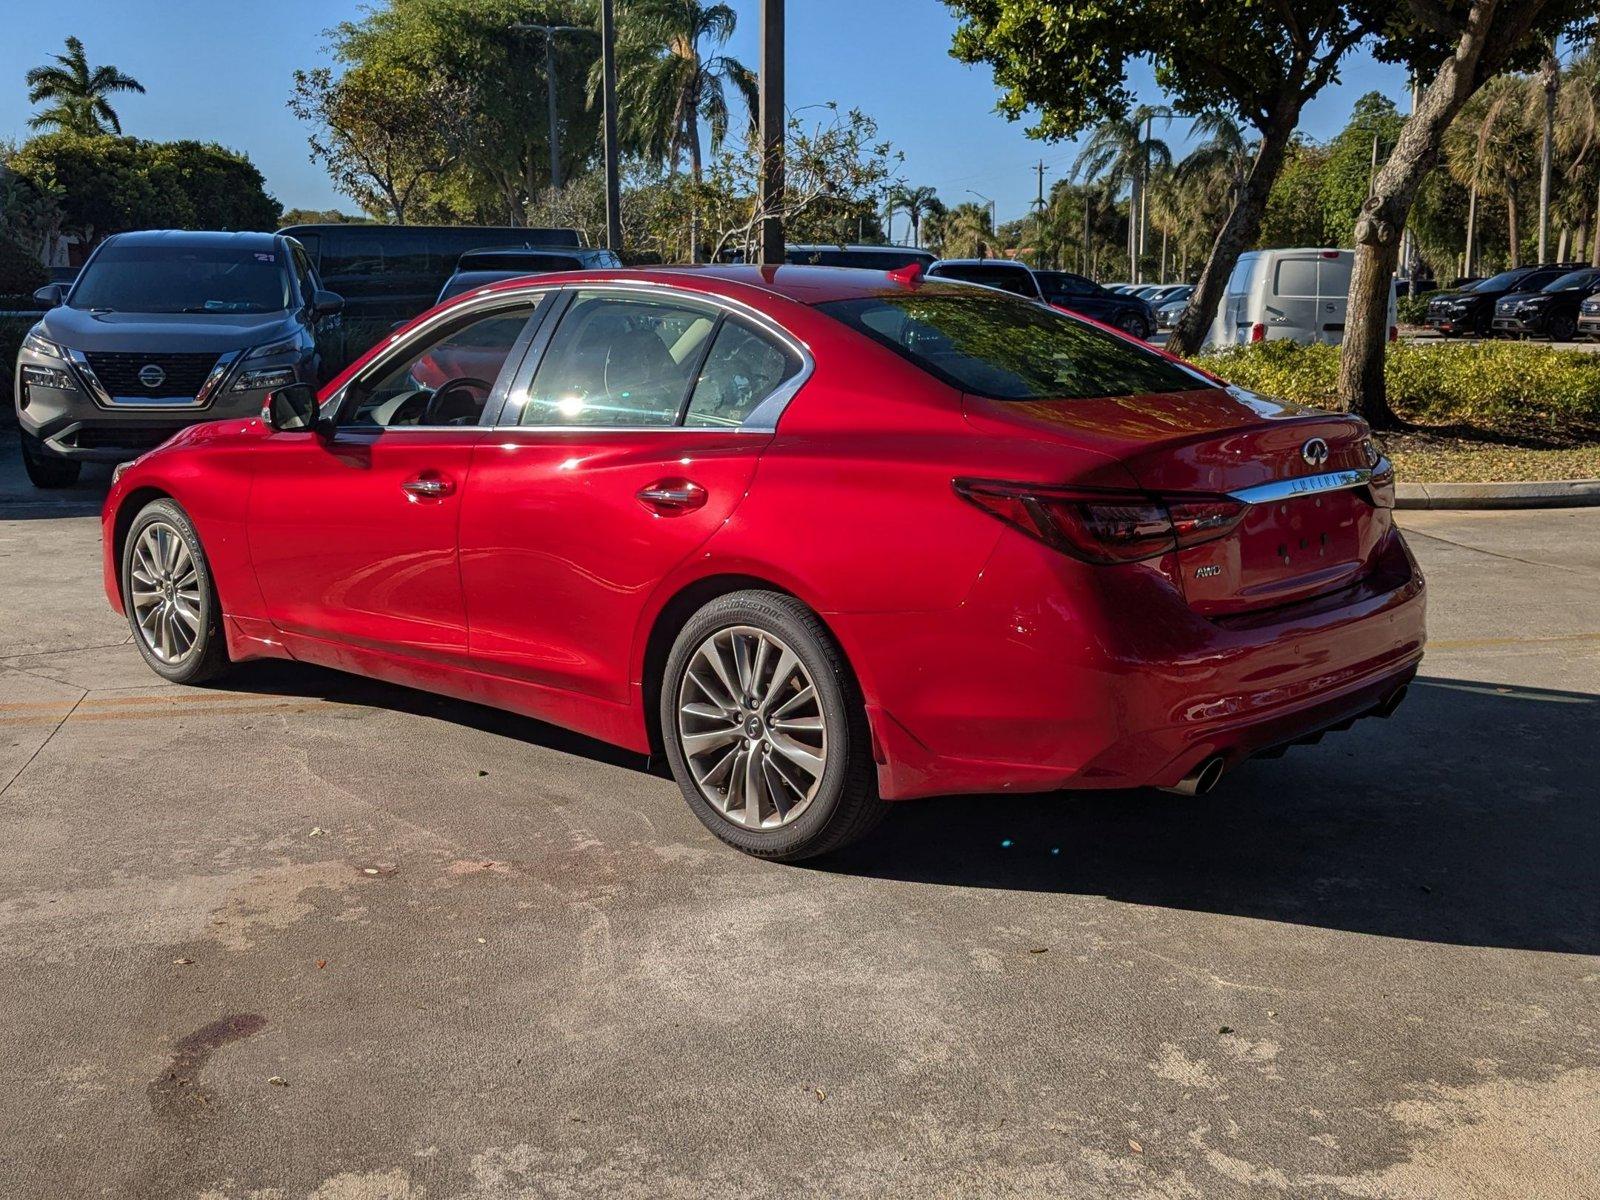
{"points": [[1554, 493]]}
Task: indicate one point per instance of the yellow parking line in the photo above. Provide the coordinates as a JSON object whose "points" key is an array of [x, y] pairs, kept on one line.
{"points": [[1477, 643]]}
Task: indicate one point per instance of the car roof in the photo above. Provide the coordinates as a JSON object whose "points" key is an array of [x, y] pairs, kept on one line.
{"points": [[241, 240], [525, 252], [862, 246], [982, 262], [802, 284]]}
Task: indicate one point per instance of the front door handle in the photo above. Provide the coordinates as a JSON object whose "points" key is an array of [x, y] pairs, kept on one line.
{"points": [[672, 495], [428, 487]]}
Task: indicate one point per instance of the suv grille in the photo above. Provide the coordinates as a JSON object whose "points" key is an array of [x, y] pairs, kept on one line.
{"points": [[183, 374], [124, 437]]}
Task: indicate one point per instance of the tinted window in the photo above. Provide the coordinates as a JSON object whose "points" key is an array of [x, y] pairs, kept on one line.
{"points": [[380, 251], [743, 369], [445, 380], [617, 361], [173, 278], [1011, 279], [1009, 351], [525, 263], [1061, 283], [1296, 277], [1500, 282], [1573, 281]]}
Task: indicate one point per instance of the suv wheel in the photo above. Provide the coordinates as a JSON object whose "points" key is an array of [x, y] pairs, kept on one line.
{"points": [[46, 470], [765, 729], [1563, 328], [1133, 324], [170, 596]]}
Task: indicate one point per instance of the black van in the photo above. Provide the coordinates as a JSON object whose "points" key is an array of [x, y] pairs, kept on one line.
{"points": [[392, 272]]}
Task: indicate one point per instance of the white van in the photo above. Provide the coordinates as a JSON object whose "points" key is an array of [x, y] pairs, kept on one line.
{"points": [[1294, 295]]}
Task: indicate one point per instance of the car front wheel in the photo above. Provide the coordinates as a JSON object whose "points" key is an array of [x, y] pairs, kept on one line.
{"points": [[46, 470], [1133, 324], [765, 729], [170, 596]]}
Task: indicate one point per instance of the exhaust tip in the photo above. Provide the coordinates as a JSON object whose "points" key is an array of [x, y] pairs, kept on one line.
{"points": [[1395, 699], [1200, 780]]}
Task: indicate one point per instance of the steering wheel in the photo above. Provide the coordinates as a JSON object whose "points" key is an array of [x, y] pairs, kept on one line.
{"points": [[438, 410]]}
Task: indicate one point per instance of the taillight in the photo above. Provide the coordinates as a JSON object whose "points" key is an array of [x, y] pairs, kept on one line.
{"points": [[1258, 332], [1104, 527]]}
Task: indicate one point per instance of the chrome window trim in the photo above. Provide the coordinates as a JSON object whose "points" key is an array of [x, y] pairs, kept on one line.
{"points": [[1308, 485], [762, 419], [221, 371], [479, 304]]}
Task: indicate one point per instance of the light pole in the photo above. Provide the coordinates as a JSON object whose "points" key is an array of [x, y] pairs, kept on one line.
{"points": [[772, 117], [608, 92], [994, 220], [550, 32]]}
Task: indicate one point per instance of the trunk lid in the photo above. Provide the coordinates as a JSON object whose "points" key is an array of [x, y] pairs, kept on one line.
{"points": [[1221, 441]]}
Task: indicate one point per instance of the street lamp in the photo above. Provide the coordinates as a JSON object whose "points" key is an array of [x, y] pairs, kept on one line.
{"points": [[994, 220], [550, 32]]}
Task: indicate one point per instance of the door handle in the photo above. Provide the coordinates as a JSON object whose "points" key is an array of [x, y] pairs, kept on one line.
{"points": [[672, 495], [428, 487]]}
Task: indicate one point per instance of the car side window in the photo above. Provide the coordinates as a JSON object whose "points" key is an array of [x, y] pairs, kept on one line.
{"points": [[444, 381], [617, 361], [743, 369]]}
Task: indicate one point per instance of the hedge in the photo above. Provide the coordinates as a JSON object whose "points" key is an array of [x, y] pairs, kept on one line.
{"points": [[1511, 387]]}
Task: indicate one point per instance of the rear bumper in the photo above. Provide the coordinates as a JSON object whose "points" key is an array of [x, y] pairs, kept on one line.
{"points": [[1040, 681]]}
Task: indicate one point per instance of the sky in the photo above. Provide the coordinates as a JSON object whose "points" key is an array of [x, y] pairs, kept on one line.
{"points": [[219, 70]]}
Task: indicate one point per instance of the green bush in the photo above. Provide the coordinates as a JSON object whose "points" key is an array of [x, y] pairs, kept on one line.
{"points": [[11, 331], [1413, 310], [1510, 387]]}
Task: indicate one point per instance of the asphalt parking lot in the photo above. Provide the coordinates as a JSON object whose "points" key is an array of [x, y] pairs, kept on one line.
{"points": [[306, 935]]}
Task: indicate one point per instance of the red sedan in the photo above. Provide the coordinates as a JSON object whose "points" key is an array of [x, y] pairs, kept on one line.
{"points": [[824, 538]]}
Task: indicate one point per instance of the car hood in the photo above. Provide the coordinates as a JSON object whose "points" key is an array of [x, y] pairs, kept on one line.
{"points": [[1518, 297], [80, 329]]}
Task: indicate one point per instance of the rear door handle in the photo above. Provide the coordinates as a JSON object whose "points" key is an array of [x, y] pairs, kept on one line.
{"points": [[672, 495], [428, 487]]}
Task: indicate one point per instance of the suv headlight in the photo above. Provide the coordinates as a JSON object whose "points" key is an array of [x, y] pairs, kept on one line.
{"points": [[39, 344], [286, 345]]}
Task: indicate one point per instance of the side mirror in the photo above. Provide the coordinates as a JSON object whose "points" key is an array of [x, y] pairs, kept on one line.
{"points": [[325, 303], [49, 295], [291, 409]]}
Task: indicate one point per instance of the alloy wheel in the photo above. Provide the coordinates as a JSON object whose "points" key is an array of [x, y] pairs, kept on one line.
{"points": [[751, 727], [165, 591]]}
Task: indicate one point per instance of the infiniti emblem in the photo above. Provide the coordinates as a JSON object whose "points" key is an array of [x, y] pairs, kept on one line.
{"points": [[1315, 452], [152, 376]]}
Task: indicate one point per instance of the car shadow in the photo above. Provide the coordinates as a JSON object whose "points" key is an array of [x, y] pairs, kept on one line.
{"points": [[1471, 817]]}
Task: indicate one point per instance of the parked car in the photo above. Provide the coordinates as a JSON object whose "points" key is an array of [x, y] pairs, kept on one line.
{"points": [[389, 273], [1589, 318], [159, 330], [477, 268], [1060, 289], [1172, 305], [1550, 312], [1471, 309], [868, 258], [823, 538], [1289, 295]]}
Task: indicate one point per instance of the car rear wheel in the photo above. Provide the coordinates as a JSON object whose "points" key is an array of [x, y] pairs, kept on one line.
{"points": [[46, 470], [765, 730], [170, 596], [1133, 324]]}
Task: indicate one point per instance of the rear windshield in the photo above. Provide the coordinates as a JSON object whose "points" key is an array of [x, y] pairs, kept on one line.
{"points": [[1008, 350], [183, 279], [1010, 279]]}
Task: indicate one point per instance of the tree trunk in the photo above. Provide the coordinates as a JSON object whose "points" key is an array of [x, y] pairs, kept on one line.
{"points": [[1472, 228], [1238, 232], [1561, 244], [1594, 259], [1513, 227], [1383, 217]]}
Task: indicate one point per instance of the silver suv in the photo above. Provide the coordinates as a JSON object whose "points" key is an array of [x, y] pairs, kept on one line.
{"points": [[163, 329]]}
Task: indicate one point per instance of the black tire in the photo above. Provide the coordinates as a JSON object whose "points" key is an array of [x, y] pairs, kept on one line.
{"points": [[1563, 328], [46, 470], [206, 655], [845, 805], [1132, 323]]}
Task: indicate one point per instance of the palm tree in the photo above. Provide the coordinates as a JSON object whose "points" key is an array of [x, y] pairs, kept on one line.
{"points": [[1492, 145], [964, 231], [668, 84], [77, 94], [1222, 158], [1578, 141], [1124, 151], [917, 203]]}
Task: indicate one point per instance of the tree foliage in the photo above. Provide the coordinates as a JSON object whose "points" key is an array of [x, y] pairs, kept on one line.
{"points": [[105, 185], [78, 95]]}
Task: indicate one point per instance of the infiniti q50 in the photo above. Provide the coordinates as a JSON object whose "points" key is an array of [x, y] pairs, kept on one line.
{"points": [[823, 539]]}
